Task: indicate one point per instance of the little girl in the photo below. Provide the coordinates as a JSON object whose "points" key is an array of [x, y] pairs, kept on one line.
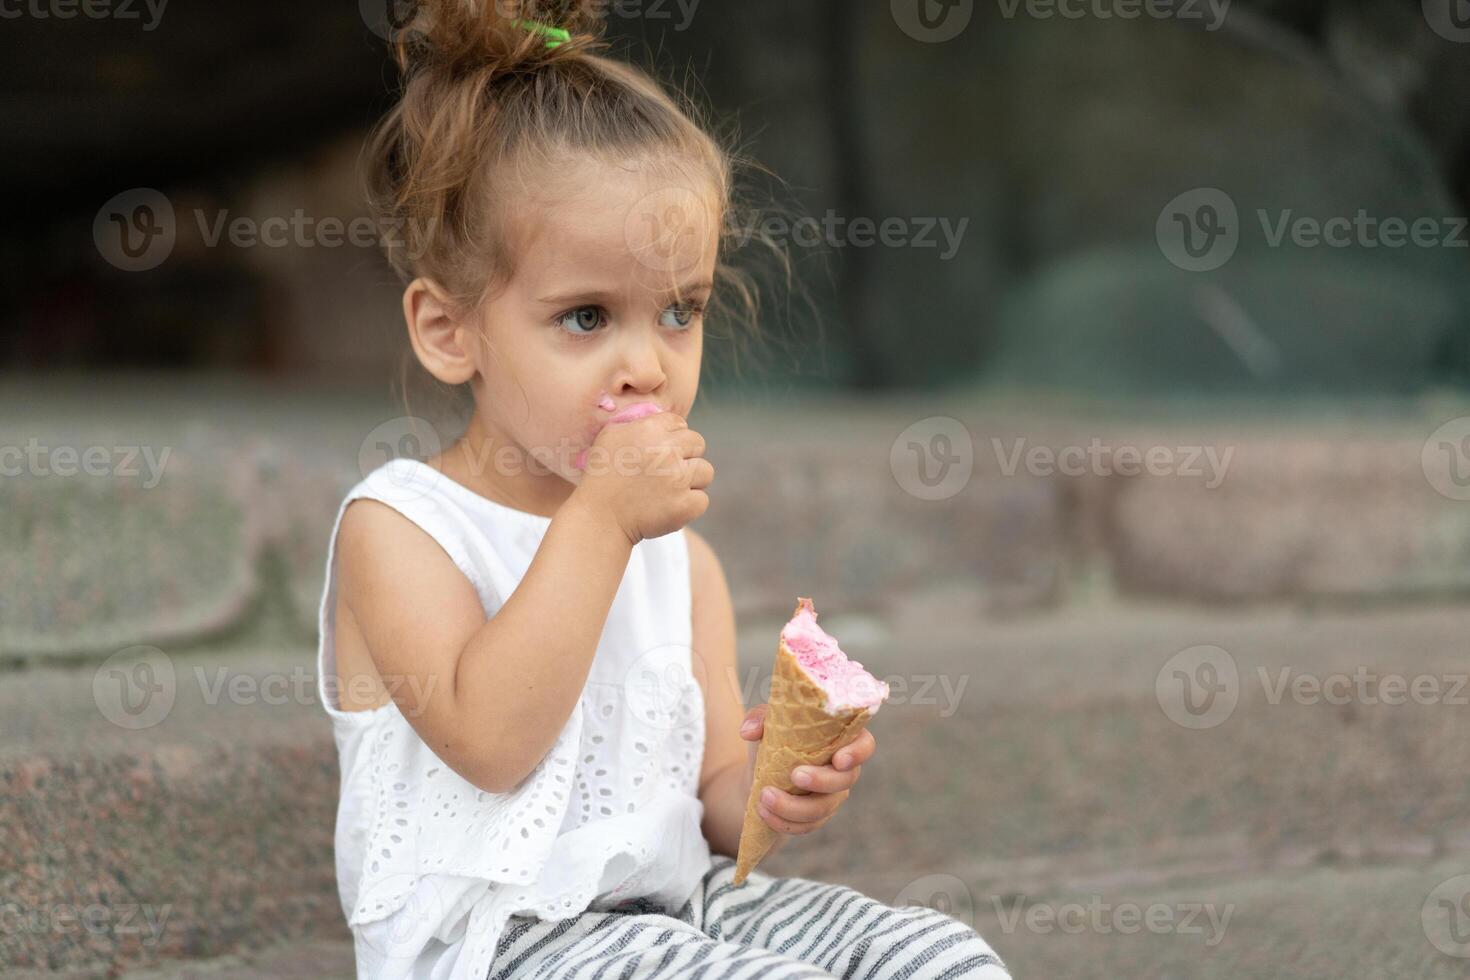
{"points": [[531, 657]]}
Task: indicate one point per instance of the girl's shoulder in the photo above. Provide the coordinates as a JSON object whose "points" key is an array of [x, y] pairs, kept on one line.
{"points": [[401, 512]]}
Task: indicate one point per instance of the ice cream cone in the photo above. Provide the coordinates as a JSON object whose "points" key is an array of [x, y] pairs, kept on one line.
{"points": [[808, 719]]}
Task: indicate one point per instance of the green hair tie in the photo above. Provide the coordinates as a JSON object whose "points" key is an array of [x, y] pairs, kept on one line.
{"points": [[557, 35]]}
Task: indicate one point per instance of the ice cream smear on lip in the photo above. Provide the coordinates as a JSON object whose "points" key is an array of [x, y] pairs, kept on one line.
{"points": [[633, 412], [630, 413], [846, 684]]}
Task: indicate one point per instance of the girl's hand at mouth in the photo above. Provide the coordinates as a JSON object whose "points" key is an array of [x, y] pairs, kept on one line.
{"points": [[649, 475], [827, 787]]}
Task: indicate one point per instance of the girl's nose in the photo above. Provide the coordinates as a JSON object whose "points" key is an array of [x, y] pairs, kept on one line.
{"points": [[642, 369]]}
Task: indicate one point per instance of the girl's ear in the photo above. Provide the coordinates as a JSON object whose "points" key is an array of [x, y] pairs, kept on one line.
{"points": [[441, 341]]}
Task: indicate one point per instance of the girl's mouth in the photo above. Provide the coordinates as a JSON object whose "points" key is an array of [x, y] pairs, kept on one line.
{"points": [[628, 413]]}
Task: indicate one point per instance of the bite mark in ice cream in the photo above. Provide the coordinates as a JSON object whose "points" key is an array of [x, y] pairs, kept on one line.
{"points": [[845, 682], [628, 413]]}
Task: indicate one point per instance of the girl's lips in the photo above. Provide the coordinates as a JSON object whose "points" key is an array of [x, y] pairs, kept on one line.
{"points": [[637, 411], [628, 413]]}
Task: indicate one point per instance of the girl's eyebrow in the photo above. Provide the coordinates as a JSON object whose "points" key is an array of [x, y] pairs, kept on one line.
{"points": [[608, 296]]}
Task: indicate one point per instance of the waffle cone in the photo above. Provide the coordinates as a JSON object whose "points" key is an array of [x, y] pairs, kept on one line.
{"points": [[798, 731]]}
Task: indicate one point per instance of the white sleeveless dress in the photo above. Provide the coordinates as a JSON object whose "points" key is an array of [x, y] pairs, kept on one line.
{"points": [[429, 867]]}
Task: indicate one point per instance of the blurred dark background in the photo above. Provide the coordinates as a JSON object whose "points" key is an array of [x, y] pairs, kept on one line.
{"points": [[1056, 140]]}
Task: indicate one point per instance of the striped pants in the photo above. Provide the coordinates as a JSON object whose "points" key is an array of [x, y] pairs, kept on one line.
{"points": [[767, 928]]}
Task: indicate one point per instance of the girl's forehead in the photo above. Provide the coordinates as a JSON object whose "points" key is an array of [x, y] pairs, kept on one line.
{"points": [[616, 227]]}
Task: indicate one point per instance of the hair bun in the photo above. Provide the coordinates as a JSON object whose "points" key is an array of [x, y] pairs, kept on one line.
{"points": [[468, 35]]}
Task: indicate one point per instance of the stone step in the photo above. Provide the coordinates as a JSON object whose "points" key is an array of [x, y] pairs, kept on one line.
{"points": [[853, 501], [1026, 756]]}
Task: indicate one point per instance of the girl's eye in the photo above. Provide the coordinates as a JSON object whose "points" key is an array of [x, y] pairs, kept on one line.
{"points": [[588, 317], [680, 315]]}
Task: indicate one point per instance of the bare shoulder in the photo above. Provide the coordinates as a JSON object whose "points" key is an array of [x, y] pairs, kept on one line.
{"points": [[372, 532], [404, 608], [386, 559]]}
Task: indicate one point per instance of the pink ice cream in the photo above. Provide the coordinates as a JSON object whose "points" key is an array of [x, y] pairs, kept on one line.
{"points": [[629, 413], [845, 682]]}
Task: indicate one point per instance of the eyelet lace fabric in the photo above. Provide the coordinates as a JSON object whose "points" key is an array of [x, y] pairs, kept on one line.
{"points": [[429, 867]]}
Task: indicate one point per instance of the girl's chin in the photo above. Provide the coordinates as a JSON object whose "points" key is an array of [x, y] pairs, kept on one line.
{"points": [[561, 461]]}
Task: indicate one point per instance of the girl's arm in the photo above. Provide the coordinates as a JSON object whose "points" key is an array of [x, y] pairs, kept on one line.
{"points": [[488, 696], [491, 697], [728, 768]]}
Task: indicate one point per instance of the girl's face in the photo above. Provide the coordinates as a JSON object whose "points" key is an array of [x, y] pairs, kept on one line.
{"points": [[604, 310]]}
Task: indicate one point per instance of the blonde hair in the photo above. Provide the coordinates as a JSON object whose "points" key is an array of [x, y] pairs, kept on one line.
{"points": [[484, 102]]}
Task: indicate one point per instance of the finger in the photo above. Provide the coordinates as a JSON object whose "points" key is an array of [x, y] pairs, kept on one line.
{"points": [[781, 826], [824, 779], [801, 809], [701, 473], [689, 443], [856, 752], [754, 725], [698, 504]]}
